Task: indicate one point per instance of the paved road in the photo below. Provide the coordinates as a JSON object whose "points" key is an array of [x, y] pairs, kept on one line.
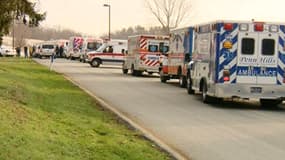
{"points": [[227, 131]]}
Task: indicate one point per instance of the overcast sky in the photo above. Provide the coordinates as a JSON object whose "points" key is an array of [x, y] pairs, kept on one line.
{"points": [[90, 17]]}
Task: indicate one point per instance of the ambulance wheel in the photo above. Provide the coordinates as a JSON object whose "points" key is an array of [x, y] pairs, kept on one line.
{"points": [[125, 71], [270, 103], [133, 71], [163, 78], [189, 85], [150, 73], [95, 63], [205, 97], [182, 81]]}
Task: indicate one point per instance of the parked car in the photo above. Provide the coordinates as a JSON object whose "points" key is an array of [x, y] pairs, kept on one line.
{"points": [[7, 51]]}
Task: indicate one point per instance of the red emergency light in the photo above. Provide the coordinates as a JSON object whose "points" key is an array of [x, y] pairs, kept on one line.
{"points": [[228, 26], [259, 27]]}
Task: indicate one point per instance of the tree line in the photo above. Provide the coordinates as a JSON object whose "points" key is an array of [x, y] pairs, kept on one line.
{"points": [[45, 33]]}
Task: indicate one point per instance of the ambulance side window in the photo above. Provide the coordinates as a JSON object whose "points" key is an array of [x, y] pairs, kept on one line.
{"points": [[268, 47], [247, 46]]}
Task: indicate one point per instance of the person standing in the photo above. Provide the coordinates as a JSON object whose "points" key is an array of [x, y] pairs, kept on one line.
{"points": [[18, 50], [61, 51], [26, 51], [57, 51]]}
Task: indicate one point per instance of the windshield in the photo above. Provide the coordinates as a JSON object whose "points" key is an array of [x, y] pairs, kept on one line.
{"points": [[101, 48], [93, 45], [47, 46]]}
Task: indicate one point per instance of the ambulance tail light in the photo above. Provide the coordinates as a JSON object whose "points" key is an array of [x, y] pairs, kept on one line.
{"points": [[165, 69], [226, 75], [228, 26], [259, 27], [243, 27]]}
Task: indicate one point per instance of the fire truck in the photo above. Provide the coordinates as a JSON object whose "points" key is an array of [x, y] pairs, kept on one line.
{"points": [[144, 53], [234, 59], [174, 64]]}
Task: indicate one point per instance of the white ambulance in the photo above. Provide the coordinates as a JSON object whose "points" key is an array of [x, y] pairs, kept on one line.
{"points": [[144, 52], [74, 47], [239, 60], [110, 52], [89, 44], [174, 64]]}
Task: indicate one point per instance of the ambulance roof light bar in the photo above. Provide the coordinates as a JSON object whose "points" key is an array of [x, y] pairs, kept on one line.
{"points": [[259, 26], [228, 26]]}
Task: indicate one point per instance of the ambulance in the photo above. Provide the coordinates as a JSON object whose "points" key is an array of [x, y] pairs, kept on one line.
{"points": [[174, 64], [110, 52], [89, 44], [144, 53], [235, 59], [74, 47]]}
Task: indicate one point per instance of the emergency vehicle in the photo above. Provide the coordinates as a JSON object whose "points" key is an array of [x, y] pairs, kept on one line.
{"points": [[74, 47], [110, 52], [144, 52], [174, 64], [239, 60], [89, 44]]}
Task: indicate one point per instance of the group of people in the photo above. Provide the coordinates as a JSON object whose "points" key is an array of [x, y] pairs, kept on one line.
{"points": [[59, 50], [28, 51]]}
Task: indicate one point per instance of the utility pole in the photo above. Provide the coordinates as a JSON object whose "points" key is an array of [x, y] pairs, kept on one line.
{"points": [[109, 6]]}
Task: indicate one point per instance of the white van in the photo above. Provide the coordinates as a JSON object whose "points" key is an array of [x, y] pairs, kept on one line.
{"points": [[112, 52], [47, 49]]}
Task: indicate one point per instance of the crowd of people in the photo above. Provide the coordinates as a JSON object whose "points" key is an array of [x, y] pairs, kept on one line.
{"points": [[31, 51]]}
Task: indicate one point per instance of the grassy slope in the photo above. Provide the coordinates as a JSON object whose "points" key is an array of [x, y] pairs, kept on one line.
{"points": [[43, 116]]}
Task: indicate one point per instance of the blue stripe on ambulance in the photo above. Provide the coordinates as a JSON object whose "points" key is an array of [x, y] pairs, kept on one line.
{"points": [[227, 56], [281, 56]]}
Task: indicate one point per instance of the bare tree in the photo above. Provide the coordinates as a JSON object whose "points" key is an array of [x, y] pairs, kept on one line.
{"points": [[169, 13], [21, 32]]}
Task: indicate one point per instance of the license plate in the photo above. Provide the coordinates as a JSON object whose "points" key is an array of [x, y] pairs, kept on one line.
{"points": [[255, 89]]}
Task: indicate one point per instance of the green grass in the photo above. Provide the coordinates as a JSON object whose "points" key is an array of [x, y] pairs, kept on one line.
{"points": [[44, 116]]}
